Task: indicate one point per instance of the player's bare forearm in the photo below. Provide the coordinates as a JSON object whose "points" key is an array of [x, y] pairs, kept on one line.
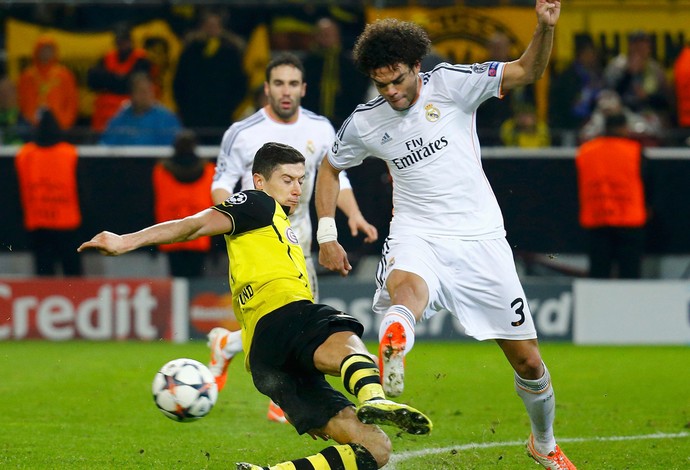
{"points": [[532, 64], [206, 222], [112, 244], [327, 190]]}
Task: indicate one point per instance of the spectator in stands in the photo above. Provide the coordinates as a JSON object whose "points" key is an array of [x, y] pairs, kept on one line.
{"points": [[681, 77], [525, 129], [613, 208], [647, 128], [48, 83], [210, 82], [110, 78], [639, 79], [181, 187], [574, 91], [494, 111], [47, 174], [335, 86], [158, 52], [12, 126], [142, 120]]}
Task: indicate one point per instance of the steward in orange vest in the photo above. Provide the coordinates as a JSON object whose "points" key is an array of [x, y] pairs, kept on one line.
{"points": [[612, 199], [681, 74], [47, 174], [110, 77], [182, 187]]}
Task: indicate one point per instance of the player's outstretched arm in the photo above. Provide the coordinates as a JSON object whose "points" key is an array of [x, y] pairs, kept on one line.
{"points": [[532, 64], [206, 222]]}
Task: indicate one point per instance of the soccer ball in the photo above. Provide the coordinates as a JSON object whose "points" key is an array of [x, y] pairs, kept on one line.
{"points": [[184, 390]]}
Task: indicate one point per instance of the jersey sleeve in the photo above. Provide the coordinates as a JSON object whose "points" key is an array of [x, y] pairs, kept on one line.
{"points": [[347, 150], [471, 85], [248, 210], [230, 165], [344, 181]]}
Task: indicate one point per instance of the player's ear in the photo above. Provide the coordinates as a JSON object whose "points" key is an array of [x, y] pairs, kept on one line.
{"points": [[258, 181]]}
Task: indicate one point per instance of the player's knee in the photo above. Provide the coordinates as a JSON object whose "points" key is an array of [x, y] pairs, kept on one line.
{"points": [[530, 367], [379, 446]]}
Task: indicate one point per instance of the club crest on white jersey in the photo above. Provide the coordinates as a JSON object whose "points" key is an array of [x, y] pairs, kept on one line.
{"points": [[432, 113]]}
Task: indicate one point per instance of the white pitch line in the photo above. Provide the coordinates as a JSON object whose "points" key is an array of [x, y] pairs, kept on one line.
{"points": [[400, 457]]}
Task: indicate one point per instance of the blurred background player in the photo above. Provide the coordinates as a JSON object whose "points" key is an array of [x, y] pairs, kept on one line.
{"points": [[283, 120]]}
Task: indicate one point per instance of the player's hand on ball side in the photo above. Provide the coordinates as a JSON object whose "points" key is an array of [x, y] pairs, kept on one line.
{"points": [[332, 256], [107, 243]]}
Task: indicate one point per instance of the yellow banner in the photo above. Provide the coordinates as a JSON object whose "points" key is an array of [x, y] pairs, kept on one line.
{"points": [[80, 51], [609, 26]]}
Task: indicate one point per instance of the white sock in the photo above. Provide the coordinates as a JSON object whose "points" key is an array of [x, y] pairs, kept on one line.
{"points": [[540, 402], [403, 315], [234, 344]]}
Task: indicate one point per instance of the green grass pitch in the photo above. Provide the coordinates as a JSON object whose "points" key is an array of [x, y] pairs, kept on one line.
{"points": [[87, 405]]}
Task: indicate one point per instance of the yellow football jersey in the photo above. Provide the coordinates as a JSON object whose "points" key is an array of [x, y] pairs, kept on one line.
{"points": [[267, 266]]}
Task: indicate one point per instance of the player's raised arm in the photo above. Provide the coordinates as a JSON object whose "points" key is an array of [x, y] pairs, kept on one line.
{"points": [[206, 222], [532, 64]]}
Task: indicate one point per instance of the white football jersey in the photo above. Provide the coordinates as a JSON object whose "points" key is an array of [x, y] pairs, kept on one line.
{"points": [[432, 152], [311, 134]]}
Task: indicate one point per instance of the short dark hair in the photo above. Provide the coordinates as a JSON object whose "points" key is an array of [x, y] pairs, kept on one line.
{"points": [[388, 42], [284, 58], [615, 123], [273, 154]]}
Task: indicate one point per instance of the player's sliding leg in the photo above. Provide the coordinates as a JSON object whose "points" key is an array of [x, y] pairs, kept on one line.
{"points": [[224, 344], [346, 456], [361, 378], [396, 338], [540, 402]]}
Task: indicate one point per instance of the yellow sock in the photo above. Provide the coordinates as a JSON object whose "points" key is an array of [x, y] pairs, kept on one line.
{"points": [[347, 457], [361, 377]]}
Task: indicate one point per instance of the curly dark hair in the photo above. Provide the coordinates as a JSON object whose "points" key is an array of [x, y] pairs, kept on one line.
{"points": [[388, 42]]}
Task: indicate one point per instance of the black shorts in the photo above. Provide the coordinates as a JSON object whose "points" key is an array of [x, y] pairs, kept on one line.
{"points": [[281, 360]]}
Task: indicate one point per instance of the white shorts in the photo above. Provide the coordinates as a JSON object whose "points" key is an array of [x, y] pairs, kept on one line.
{"points": [[475, 280]]}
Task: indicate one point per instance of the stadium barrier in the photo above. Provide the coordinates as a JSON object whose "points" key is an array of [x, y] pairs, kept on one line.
{"points": [[579, 311], [94, 309], [536, 188]]}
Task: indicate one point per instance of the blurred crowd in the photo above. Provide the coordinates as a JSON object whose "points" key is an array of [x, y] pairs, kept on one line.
{"points": [[213, 80], [213, 85], [142, 93]]}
